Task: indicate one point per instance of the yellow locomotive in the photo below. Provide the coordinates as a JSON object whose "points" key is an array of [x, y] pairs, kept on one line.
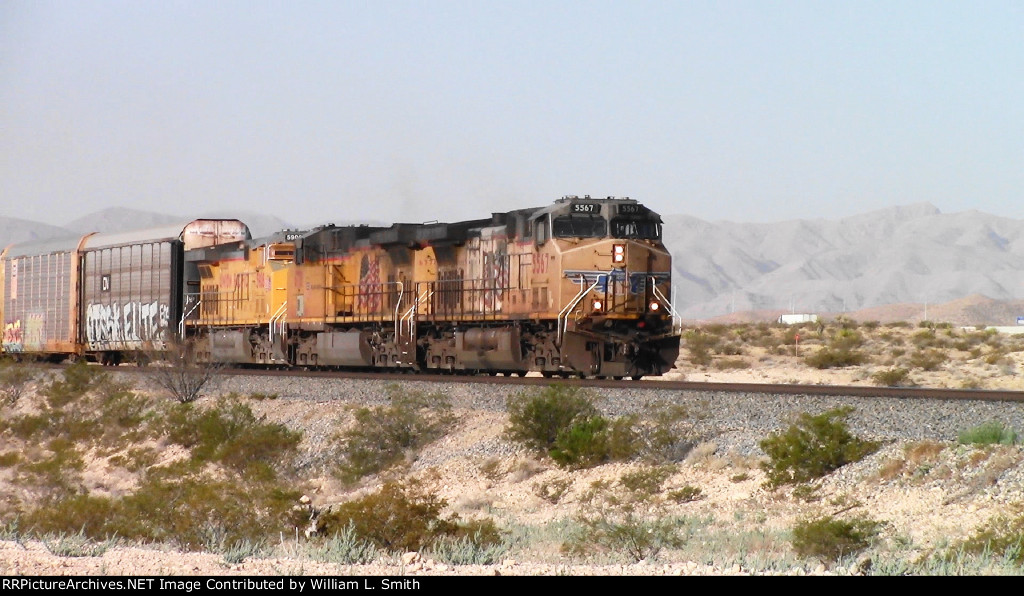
{"points": [[579, 288]]}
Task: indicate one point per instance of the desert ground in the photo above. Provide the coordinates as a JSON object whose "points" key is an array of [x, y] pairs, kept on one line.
{"points": [[926, 495]]}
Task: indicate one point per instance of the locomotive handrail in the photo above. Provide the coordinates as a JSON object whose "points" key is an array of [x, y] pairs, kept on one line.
{"points": [[181, 324], [398, 305], [676, 317], [279, 315], [563, 315]]}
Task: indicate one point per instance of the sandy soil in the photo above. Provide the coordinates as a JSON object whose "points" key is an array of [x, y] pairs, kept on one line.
{"points": [[921, 509]]}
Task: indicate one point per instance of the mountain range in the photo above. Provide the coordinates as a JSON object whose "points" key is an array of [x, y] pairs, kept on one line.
{"points": [[887, 264]]}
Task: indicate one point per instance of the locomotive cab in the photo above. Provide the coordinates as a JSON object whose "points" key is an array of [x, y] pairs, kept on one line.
{"points": [[614, 315]]}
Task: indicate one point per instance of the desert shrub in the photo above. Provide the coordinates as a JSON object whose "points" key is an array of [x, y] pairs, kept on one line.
{"points": [[562, 422], [700, 345], [180, 371], [930, 359], [552, 491], [828, 357], [192, 511], [830, 539], [667, 431], [77, 545], [14, 379], [1003, 536], [732, 364], [988, 433], [812, 447], [616, 524], [593, 441], [344, 547], [893, 377], [123, 409], [76, 381], [647, 481], [918, 459], [382, 435], [492, 469], [584, 444], [972, 383], [685, 494], [232, 435], [402, 516], [996, 356], [841, 351], [537, 418], [468, 550]]}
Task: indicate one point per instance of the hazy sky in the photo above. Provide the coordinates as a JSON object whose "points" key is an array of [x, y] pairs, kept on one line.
{"points": [[422, 110]]}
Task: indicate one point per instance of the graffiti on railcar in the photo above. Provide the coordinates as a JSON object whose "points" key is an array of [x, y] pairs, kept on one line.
{"points": [[12, 340], [128, 322], [34, 335]]}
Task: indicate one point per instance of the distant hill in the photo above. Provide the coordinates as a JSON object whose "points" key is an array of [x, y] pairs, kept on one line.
{"points": [[20, 230], [908, 254], [116, 219]]}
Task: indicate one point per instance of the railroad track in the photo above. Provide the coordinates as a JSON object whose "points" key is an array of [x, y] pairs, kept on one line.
{"points": [[919, 393]]}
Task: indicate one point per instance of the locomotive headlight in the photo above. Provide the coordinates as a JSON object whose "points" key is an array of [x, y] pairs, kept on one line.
{"points": [[618, 254], [654, 306], [597, 305]]}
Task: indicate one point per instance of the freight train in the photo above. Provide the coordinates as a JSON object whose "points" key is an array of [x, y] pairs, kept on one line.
{"points": [[577, 288]]}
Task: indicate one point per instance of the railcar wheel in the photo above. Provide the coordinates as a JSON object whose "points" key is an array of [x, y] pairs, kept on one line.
{"points": [[547, 374], [637, 377]]}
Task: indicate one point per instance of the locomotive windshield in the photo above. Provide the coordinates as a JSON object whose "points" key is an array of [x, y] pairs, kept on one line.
{"points": [[623, 227], [580, 226]]}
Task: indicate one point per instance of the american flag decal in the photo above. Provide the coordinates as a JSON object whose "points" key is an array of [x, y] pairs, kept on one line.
{"points": [[369, 285]]}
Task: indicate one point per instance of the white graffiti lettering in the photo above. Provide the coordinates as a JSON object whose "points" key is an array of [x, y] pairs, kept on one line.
{"points": [[132, 324]]}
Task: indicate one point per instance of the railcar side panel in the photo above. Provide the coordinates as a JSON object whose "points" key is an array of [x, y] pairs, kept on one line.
{"points": [[40, 297], [131, 295]]}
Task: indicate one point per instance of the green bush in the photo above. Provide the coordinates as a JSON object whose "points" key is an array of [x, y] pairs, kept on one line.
{"points": [[686, 494], [893, 377], [812, 447], [78, 379], [584, 444], [989, 433], [647, 481], [536, 419], [700, 345], [631, 525], [841, 351], [830, 539], [562, 422], [930, 359], [829, 357], [232, 435], [402, 516], [382, 435], [194, 512]]}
